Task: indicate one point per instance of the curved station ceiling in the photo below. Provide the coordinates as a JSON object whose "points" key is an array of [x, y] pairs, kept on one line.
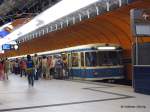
{"points": [[110, 27]]}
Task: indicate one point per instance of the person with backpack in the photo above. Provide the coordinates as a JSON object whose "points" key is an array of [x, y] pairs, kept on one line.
{"points": [[30, 70]]}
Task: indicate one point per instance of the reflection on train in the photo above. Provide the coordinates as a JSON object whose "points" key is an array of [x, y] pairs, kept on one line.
{"points": [[92, 61]]}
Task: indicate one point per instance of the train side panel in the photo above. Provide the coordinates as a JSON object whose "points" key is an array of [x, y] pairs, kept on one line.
{"points": [[99, 73]]}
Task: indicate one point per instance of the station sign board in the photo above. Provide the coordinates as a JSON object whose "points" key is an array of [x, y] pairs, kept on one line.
{"points": [[9, 47], [140, 22]]}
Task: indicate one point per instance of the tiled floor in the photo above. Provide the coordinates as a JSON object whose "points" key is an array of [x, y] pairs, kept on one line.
{"points": [[69, 96]]}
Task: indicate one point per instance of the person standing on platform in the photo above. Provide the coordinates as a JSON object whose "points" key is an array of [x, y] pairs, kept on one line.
{"points": [[2, 75], [6, 68], [17, 66], [23, 67], [30, 70], [59, 68], [39, 67], [65, 68], [44, 67], [52, 67], [35, 61], [49, 61]]}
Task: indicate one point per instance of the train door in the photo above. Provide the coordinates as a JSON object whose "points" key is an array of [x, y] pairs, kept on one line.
{"points": [[82, 65], [69, 60]]}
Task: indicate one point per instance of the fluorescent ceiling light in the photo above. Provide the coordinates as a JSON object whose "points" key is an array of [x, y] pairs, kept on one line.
{"points": [[106, 48], [61, 9], [12, 42], [6, 25]]}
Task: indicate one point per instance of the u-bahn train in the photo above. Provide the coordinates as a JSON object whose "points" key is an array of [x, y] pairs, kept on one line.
{"points": [[92, 61]]}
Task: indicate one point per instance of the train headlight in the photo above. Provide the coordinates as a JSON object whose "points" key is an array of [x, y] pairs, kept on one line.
{"points": [[106, 48]]}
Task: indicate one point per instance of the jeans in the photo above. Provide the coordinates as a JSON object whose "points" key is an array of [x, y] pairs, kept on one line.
{"points": [[23, 72], [31, 79], [30, 73]]}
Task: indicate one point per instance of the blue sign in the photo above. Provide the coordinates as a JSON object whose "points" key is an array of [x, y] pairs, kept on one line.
{"points": [[6, 47], [3, 33]]}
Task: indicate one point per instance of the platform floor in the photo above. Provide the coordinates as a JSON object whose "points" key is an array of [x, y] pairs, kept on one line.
{"points": [[69, 96]]}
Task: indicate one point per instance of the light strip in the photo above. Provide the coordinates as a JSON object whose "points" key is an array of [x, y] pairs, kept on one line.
{"points": [[61, 9], [6, 25], [106, 48]]}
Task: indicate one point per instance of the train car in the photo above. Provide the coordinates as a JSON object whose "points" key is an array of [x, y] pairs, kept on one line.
{"points": [[92, 61]]}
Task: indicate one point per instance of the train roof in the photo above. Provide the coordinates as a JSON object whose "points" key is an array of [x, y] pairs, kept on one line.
{"points": [[76, 48]]}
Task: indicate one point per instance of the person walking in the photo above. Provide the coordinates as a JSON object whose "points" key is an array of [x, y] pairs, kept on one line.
{"points": [[30, 70]]}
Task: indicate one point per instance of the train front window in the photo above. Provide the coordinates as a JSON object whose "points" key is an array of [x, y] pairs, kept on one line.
{"points": [[75, 59], [108, 58], [82, 59], [91, 59]]}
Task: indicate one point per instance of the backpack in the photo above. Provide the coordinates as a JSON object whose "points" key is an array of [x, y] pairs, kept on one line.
{"points": [[30, 64]]}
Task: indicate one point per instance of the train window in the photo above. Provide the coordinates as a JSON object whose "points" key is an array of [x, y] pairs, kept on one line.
{"points": [[75, 59], [108, 58], [64, 56], [91, 59], [82, 59], [114, 58]]}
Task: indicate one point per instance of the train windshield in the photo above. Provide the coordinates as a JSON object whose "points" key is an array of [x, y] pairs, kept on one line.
{"points": [[102, 58]]}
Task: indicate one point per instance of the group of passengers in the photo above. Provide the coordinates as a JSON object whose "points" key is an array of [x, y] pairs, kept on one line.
{"points": [[46, 67]]}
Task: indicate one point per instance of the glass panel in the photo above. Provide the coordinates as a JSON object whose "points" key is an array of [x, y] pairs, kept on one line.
{"points": [[124, 2], [90, 58], [69, 60], [82, 59], [70, 21], [75, 59], [113, 58], [114, 4], [107, 58], [102, 7]]}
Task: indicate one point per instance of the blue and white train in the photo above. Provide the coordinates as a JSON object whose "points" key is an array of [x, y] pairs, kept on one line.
{"points": [[92, 61]]}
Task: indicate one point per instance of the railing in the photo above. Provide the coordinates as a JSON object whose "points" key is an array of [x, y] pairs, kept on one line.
{"points": [[91, 11]]}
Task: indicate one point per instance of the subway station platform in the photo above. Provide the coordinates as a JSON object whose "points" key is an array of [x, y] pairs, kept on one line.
{"points": [[69, 96]]}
